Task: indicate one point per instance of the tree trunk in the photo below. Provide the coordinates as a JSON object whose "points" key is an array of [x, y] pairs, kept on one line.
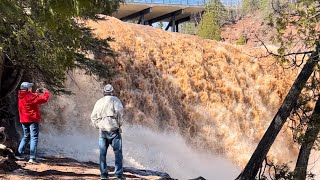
{"points": [[257, 158], [2, 58], [300, 171], [15, 84], [8, 104], [12, 123]]}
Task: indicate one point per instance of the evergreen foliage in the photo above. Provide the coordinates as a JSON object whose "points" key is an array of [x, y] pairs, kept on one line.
{"points": [[210, 25], [304, 18], [242, 40], [249, 6], [188, 28], [46, 38]]}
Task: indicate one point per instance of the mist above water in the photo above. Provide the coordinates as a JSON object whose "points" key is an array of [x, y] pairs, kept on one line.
{"points": [[144, 149]]}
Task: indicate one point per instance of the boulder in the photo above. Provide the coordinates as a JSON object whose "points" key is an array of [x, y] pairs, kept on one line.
{"points": [[7, 159], [3, 136], [7, 164], [6, 152]]}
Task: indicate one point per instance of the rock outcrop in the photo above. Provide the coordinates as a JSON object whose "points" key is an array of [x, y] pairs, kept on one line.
{"points": [[7, 158], [59, 167]]}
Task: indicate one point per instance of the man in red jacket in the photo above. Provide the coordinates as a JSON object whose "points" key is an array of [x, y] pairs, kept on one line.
{"points": [[28, 105]]}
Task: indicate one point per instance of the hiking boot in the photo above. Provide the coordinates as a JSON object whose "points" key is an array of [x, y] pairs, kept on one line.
{"points": [[33, 161], [19, 158], [103, 177], [120, 177]]}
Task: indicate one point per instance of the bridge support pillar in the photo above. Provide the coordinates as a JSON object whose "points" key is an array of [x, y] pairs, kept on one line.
{"points": [[141, 20], [139, 14], [175, 23], [171, 15], [173, 27]]}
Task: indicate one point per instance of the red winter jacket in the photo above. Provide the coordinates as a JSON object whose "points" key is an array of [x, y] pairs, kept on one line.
{"points": [[28, 105]]}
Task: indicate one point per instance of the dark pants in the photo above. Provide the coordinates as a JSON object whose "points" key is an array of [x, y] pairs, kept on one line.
{"points": [[113, 139], [30, 131]]}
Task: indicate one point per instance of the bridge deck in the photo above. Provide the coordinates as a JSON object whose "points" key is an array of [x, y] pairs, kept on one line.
{"points": [[157, 10]]}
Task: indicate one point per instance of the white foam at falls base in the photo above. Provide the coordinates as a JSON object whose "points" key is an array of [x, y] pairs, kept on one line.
{"points": [[143, 148]]}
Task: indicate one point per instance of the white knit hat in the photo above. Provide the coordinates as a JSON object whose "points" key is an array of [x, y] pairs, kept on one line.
{"points": [[108, 88]]}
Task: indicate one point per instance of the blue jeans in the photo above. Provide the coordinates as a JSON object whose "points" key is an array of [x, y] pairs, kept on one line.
{"points": [[113, 139], [30, 130]]}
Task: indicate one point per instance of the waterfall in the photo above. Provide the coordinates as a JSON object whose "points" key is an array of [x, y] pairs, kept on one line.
{"points": [[194, 107]]}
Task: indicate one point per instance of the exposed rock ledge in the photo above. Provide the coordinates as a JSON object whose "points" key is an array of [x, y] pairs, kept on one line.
{"points": [[57, 167]]}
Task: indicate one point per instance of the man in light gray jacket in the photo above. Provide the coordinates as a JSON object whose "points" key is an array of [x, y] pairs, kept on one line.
{"points": [[107, 117]]}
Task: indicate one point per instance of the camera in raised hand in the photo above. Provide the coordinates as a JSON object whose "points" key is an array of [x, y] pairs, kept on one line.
{"points": [[39, 90]]}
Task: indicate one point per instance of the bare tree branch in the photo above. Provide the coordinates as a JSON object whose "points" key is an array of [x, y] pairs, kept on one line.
{"points": [[285, 55]]}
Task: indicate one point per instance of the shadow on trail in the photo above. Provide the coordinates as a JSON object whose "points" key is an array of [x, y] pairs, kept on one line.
{"points": [[56, 173]]}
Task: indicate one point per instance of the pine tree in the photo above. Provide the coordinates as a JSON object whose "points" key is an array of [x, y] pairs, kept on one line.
{"points": [[210, 25], [41, 40], [188, 28]]}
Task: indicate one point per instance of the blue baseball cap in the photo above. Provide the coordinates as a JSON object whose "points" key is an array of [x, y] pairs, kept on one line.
{"points": [[26, 85]]}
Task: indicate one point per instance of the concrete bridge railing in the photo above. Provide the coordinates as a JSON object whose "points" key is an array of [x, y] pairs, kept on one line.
{"points": [[171, 2], [183, 2]]}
